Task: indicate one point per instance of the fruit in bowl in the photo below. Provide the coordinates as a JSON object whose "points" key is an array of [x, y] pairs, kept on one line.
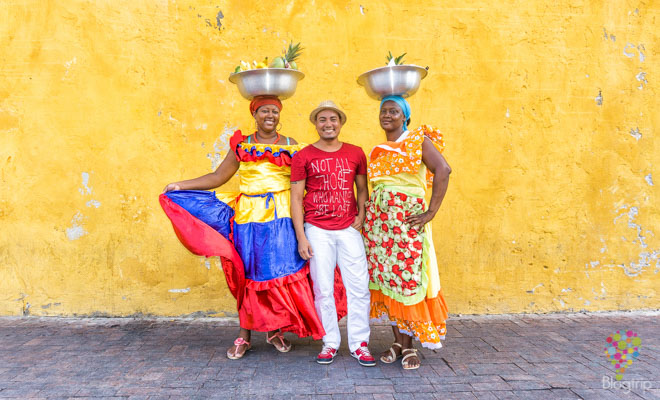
{"points": [[287, 60], [391, 60], [396, 78]]}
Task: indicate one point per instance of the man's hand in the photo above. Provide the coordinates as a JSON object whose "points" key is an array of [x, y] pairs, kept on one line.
{"points": [[357, 224], [305, 249], [419, 220]]}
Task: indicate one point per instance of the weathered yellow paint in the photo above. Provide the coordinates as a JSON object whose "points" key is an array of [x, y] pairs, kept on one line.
{"points": [[550, 206]]}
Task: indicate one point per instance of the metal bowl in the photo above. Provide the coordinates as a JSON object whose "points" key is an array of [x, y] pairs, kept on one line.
{"points": [[280, 82], [401, 80]]}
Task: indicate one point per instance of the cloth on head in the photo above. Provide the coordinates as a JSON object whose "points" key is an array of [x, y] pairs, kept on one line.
{"points": [[264, 100], [403, 104]]}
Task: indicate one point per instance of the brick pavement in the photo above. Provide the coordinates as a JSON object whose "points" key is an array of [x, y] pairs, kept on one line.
{"points": [[503, 357]]}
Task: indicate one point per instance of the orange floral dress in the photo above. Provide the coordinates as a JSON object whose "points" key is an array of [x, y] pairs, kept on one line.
{"points": [[403, 271]]}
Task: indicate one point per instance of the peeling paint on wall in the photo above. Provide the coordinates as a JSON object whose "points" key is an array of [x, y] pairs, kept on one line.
{"points": [[534, 288], [221, 147], [186, 290], [67, 66], [85, 180], [649, 179], [646, 259], [604, 248], [218, 20], [77, 230], [635, 133], [93, 203], [641, 77], [626, 51]]}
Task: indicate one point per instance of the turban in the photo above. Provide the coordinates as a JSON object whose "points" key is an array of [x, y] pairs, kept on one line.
{"points": [[403, 104], [264, 100]]}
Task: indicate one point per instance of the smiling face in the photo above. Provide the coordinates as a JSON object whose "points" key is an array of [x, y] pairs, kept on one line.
{"points": [[267, 118], [391, 117], [328, 124]]}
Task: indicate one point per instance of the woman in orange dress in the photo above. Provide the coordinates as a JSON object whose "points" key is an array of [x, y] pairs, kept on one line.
{"points": [[403, 271]]}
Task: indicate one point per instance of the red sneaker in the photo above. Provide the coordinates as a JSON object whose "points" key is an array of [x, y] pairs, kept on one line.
{"points": [[363, 356], [327, 355]]}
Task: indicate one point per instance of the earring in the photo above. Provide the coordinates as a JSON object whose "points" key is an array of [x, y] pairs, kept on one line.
{"points": [[256, 126], [279, 128]]}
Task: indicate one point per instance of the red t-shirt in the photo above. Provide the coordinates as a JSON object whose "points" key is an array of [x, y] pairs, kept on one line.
{"points": [[329, 177]]}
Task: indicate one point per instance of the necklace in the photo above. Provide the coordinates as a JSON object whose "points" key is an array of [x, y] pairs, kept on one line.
{"points": [[256, 140]]}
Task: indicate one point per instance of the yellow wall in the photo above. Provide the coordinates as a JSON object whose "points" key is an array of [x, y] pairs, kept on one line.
{"points": [[552, 205]]}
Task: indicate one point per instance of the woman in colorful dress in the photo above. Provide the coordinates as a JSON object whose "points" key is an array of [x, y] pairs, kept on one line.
{"points": [[252, 232], [403, 272]]}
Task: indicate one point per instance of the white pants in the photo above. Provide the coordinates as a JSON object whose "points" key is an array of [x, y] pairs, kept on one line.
{"points": [[344, 248]]}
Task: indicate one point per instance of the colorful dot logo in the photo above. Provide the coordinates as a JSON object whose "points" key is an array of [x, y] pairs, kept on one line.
{"points": [[622, 349]]}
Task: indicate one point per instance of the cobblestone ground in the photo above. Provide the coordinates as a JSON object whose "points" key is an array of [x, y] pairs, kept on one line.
{"points": [[507, 357]]}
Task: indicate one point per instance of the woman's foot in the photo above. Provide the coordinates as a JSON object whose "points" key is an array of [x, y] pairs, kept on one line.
{"points": [[392, 354], [278, 341], [239, 349], [410, 359]]}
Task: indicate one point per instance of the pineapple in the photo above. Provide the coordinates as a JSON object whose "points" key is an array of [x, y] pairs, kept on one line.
{"points": [[391, 60], [289, 59]]}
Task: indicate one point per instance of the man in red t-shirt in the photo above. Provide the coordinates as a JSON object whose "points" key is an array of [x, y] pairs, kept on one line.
{"points": [[328, 230]]}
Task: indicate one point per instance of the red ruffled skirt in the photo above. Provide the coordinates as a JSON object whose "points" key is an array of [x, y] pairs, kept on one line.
{"points": [[285, 303]]}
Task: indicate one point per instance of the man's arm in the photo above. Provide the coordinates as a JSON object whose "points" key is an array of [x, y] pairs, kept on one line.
{"points": [[298, 219], [362, 196]]}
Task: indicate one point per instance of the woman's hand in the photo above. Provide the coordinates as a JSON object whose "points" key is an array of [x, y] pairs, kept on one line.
{"points": [[305, 249], [171, 187], [420, 220]]}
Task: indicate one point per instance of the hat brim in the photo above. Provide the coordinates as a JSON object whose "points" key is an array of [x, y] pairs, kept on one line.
{"points": [[317, 110]]}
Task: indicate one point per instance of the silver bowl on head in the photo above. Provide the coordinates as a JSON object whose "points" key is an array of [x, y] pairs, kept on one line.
{"points": [[401, 80], [280, 82]]}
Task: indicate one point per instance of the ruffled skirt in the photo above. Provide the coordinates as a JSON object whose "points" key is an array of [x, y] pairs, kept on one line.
{"points": [[404, 282], [264, 272]]}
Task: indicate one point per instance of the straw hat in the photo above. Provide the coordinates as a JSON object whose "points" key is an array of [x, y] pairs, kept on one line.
{"points": [[327, 105]]}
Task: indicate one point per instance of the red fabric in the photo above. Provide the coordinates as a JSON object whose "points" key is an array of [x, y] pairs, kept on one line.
{"points": [[330, 199], [203, 240], [264, 100], [289, 307], [235, 140], [287, 303], [279, 157], [340, 295]]}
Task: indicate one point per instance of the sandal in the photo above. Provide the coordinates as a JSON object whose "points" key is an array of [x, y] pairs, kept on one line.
{"points": [[392, 356], [238, 343], [283, 347], [410, 353]]}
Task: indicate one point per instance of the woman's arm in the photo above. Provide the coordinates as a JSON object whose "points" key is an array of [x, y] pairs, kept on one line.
{"points": [[212, 180], [437, 164], [298, 219]]}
